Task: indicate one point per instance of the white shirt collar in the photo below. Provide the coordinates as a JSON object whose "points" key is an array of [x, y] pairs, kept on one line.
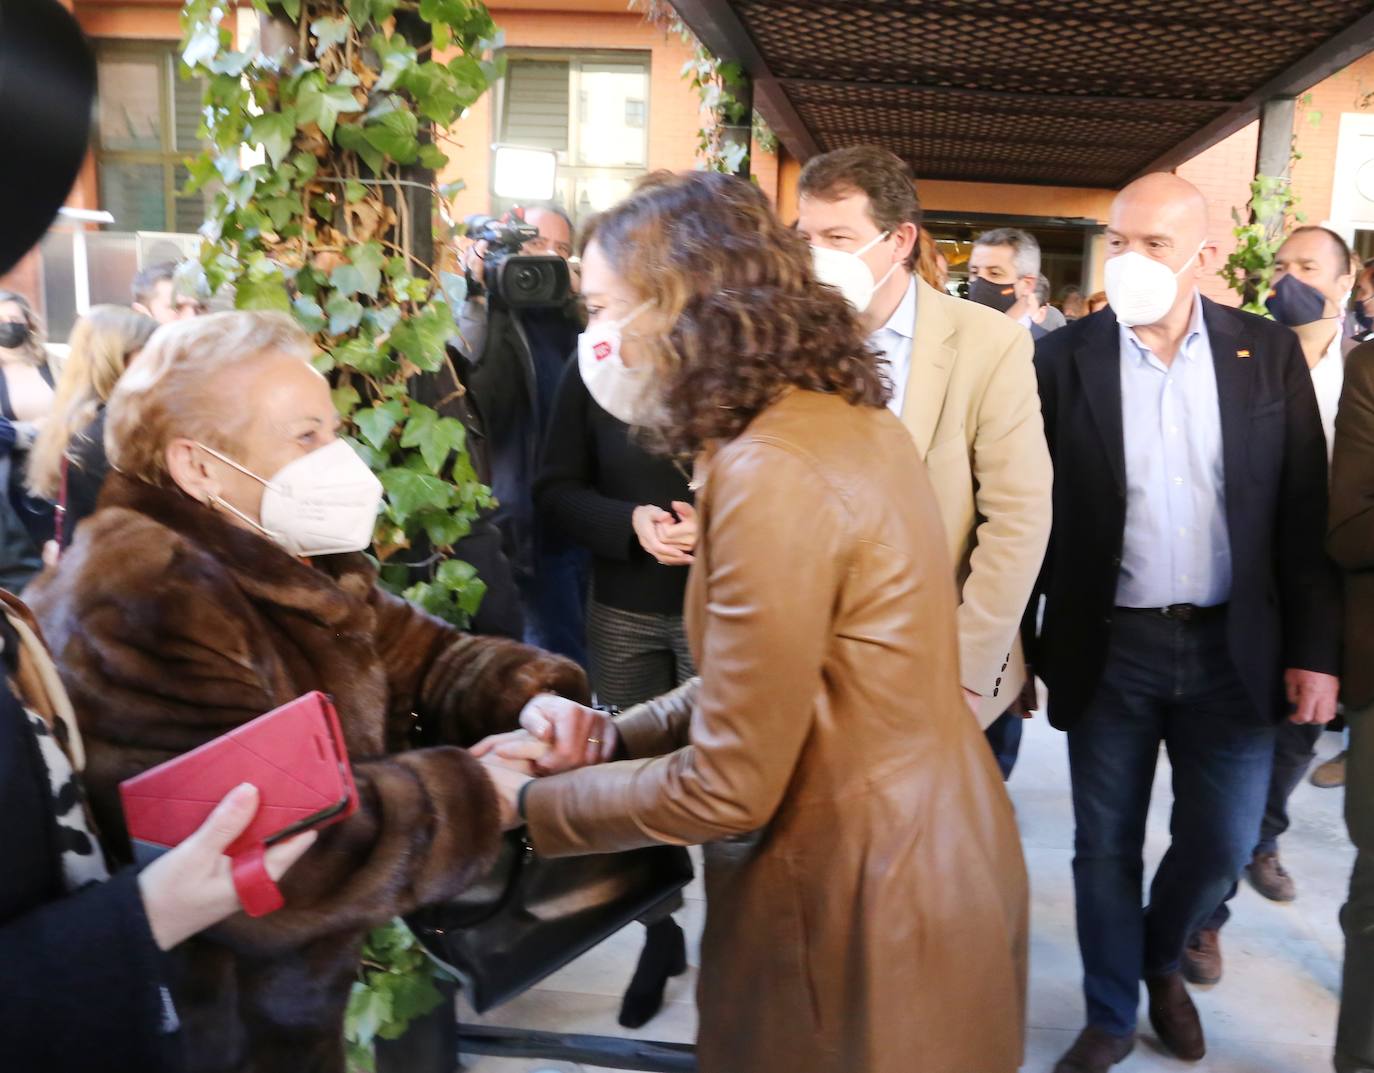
{"points": [[903, 319]]}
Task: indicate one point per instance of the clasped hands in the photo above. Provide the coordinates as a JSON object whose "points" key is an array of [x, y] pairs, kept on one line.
{"points": [[670, 537], [555, 735]]}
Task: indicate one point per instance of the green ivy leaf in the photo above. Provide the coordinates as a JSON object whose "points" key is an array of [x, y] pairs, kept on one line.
{"points": [[350, 136], [309, 315], [409, 492], [280, 210], [322, 105], [432, 86], [433, 158], [354, 191], [346, 400], [266, 293], [395, 134], [422, 338], [306, 166], [436, 437], [377, 422], [329, 33], [383, 320], [344, 314], [275, 131], [292, 9], [360, 11], [362, 274], [453, 189]]}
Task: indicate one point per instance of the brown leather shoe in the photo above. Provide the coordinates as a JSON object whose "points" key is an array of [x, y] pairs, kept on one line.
{"points": [[1268, 876], [1202, 958], [1175, 1017], [1331, 774], [1095, 1051]]}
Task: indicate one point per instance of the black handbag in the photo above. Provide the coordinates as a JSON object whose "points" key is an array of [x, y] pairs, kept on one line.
{"points": [[530, 916]]}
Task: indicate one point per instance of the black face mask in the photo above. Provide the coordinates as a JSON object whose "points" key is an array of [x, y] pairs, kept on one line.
{"points": [[998, 296], [13, 333], [1362, 318], [1294, 302]]}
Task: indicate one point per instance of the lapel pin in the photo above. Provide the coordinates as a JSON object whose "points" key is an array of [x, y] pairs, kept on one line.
{"points": [[1242, 353]]}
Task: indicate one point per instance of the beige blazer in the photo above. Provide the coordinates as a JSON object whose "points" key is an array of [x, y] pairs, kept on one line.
{"points": [[973, 408]]}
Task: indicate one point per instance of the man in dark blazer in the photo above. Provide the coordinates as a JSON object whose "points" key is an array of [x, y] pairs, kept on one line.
{"points": [[1187, 596], [1351, 544]]}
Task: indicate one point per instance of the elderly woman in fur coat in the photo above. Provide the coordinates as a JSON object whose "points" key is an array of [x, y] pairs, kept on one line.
{"points": [[219, 578]]}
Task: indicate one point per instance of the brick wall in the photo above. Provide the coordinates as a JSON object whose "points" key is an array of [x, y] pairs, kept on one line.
{"points": [[1223, 173], [674, 110]]}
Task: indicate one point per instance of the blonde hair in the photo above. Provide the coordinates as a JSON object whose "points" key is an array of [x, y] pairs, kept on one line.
{"points": [[35, 347], [174, 390], [101, 345]]}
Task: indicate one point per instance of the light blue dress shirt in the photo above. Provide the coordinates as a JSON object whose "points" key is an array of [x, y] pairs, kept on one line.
{"points": [[893, 340], [1176, 549]]}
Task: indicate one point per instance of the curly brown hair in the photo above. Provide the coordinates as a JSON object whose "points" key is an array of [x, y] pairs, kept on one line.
{"points": [[746, 317]]}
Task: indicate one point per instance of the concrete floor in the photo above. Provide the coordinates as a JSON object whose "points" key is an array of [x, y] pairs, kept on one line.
{"points": [[1274, 1012]]}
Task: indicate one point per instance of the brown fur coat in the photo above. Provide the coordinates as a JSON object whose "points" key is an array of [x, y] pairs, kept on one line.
{"points": [[170, 627]]}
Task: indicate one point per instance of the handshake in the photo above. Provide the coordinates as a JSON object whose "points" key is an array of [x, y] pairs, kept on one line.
{"points": [[555, 735]]}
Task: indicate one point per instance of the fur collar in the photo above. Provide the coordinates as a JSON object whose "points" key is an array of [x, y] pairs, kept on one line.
{"points": [[327, 588]]}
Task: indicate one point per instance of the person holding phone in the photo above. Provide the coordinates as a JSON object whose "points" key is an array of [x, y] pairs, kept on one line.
{"points": [[222, 577]]}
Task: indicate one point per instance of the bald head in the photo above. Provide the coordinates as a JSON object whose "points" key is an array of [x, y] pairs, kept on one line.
{"points": [[1164, 218], [1160, 200]]}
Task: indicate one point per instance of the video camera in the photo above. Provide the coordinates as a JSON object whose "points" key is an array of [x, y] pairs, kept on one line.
{"points": [[519, 280]]}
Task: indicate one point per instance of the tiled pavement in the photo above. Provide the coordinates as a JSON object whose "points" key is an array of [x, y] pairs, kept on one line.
{"points": [[1273, 1013]]}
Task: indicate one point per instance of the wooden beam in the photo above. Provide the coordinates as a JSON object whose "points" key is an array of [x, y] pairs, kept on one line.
{"points": [[1326, 59], [718, 27]]}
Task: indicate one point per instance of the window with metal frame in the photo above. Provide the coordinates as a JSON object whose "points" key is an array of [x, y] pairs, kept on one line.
{"points": [[590, 108], [146, 128]]}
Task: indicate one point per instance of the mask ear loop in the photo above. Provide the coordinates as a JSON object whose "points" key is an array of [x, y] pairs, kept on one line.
{"points": [[224, 504]]}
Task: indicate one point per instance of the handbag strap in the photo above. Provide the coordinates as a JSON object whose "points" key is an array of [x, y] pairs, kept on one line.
{"points": [[494, 908], [60, 515]]}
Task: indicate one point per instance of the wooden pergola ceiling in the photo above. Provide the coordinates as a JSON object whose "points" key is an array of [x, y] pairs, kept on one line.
{"points": [[1057, 92]]}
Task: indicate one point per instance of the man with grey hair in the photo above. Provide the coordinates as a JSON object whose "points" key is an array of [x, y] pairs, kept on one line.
{"points": [[1003, 271], [1046, 315]]}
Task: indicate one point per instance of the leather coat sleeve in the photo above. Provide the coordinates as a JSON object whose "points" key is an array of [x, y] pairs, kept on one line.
{"points": [[1014, 481], [660, 725], [467, 686], [1350, 540], [768, 626]]}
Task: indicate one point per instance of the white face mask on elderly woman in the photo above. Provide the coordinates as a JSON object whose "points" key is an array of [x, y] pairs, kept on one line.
{"points": [[615, 387], [323, 503]]}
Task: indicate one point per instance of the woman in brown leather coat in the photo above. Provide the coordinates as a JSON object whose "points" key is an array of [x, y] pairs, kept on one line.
{"points": [[867, 903]]}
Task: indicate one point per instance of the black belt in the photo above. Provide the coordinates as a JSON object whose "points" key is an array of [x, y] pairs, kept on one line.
{"points": [[1181, 612]]}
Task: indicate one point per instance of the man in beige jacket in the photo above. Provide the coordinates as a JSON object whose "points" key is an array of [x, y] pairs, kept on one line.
{"points": [[965, 387]]}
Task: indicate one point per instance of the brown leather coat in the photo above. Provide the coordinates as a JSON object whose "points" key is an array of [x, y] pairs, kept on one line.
{"points": [[170, 627], [866, 895]]}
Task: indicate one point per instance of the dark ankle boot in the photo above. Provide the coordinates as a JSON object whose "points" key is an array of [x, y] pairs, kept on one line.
{"points": [[664, 956]]}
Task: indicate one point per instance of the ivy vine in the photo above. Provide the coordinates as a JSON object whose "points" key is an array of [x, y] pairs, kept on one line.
{"points": [[717, 84], [346, 106], [350, 102]]}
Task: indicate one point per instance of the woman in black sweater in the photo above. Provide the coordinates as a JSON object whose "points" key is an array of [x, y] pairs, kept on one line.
{"points": [[632, 510]]}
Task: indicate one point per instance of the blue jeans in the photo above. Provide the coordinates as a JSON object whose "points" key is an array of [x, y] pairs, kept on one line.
{"points": [[1173, 682], [1004, 737], [554, 601]]}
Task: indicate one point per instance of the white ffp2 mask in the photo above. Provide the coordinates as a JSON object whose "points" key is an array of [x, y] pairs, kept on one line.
{"points": [[613, 385], [1140, 289], [848, 273], [323, 503]]}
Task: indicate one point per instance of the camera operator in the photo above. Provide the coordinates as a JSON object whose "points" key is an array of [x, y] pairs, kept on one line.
{"points": [[517, 329]]}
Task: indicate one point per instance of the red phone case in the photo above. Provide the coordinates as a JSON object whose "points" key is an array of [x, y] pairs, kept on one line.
{"points": [[296, 758]]}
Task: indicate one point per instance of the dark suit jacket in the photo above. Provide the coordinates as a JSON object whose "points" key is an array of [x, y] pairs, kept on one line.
{"points": [[1285, 594], [1351, 539]]}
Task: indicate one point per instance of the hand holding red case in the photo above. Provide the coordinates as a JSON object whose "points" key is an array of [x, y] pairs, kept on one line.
{"points": [[296, 758]]}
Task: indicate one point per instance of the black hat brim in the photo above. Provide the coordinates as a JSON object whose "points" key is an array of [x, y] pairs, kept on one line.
{"points": [[47, 92]]}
